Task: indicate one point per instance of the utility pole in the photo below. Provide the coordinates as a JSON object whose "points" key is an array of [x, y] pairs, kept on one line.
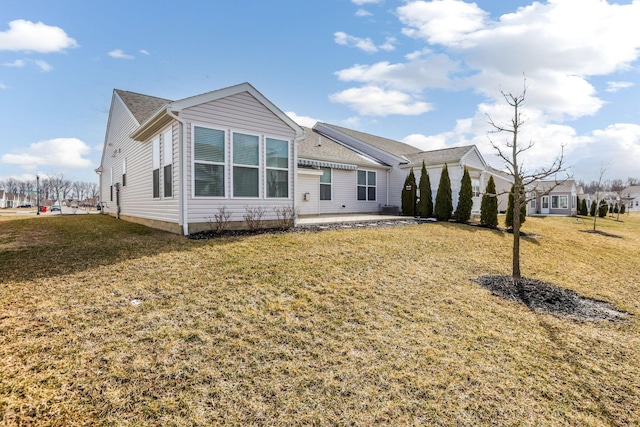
{"points": [[38, 194]]}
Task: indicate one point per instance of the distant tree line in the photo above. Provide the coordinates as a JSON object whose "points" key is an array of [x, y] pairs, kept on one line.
{"points": [[613, 185], [53, 188]]}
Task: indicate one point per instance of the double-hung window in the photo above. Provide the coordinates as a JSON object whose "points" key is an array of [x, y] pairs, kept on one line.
{"points": [[209, 162], [167, 161], [155, 160], [325, 184], [277, 172], [559, 202], [366, 185], [246, 165]]}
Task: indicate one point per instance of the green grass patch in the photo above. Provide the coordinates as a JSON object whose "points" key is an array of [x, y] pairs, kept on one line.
{"points": [[104, 322]]}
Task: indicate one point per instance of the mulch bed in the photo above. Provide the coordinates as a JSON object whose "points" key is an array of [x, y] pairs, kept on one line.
{"points": [[544, 297]]}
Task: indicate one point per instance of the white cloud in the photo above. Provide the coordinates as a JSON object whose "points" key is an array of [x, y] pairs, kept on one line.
{"points": [[28, 36], [366, 45], [302, 120], [389, 44], [375, 101], [442, 22], [144, 52], [119, 54], [43, 65], [416, 75], [59, 152], [3, 86], [17, 63], [361, 2], [361, 13], [613, 87]]}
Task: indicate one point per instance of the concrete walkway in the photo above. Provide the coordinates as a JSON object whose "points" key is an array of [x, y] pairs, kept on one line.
{"points": [[331, 219]]}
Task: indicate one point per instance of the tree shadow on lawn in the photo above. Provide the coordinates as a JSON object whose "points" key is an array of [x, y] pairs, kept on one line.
{"points": [[45, 247]]}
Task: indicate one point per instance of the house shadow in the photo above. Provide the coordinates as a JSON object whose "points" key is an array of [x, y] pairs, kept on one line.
{"points": [[38, 248]]}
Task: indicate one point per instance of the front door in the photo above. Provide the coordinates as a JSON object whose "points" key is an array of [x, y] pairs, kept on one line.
{"points": [[544, 208]]}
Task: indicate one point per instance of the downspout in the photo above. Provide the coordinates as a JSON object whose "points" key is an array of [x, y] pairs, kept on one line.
{"points": [[295, 175], [182, 143], [388, 184]]}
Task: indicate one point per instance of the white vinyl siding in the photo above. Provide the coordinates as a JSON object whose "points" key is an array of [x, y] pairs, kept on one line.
{"points": [[240, 113], [155, 167], [124, 172]]}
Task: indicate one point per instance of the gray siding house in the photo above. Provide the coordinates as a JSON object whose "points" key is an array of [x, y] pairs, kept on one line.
{"points": [[367, 172], [552, 198], [172, 164]]}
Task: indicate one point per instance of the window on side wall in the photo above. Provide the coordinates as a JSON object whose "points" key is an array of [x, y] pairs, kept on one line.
{"points": [[155, 166], [325, 184], [246, 165], [366, 185], [167, 160], [533, 203], [124, 172], [277, 163], [209, 158]]}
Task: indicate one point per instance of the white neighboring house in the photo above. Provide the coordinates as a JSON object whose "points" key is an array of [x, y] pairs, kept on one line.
{"points": [[172, 164], [631, 198], [3, 199]]}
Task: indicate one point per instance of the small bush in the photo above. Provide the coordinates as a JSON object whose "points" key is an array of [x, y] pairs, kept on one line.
{"points": [[408, 196], [219, 222], [465, 199], [253, 217], [444, 204], [489, 205], [286, 217]]}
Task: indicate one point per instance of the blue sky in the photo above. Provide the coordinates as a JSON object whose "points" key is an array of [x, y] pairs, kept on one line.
{"points": [[424, 72]]}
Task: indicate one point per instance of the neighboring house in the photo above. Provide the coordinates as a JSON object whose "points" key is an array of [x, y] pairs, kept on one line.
{"points": [[552, 198], [173, 164], [379, 166], [3, 199], [631, 198]]}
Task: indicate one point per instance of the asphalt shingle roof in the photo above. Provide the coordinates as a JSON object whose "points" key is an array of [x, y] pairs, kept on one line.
{"points": [[141, 106], [317, 147], [438, 157], [391, 146]]}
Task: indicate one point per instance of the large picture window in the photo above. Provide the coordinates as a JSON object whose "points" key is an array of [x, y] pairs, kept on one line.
{"points": [[277, 155], [325, 184], [367, 185], [246, 163], [209, 159]]}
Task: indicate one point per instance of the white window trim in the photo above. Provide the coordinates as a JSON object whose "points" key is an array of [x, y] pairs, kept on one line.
{"points": [[167, 134], [330, 184], [225, 164], [288, 169], [259, 167], [558, 204], [366, 186]]}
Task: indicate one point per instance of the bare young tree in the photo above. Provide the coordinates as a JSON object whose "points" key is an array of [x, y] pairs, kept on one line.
{"points": [[522, 178], [599, 186], [617, 186]]}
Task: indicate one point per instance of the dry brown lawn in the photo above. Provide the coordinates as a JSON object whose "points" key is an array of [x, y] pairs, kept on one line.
{"points": [[104, 322]]}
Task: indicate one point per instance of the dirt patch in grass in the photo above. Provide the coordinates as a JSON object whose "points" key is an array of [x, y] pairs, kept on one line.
{"points": [[548, 298]]}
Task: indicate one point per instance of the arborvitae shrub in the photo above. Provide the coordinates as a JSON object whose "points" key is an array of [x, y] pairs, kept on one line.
{"points": [[444, 203], [622, 208], [592, 211], [611, 208], [583, 207], [465, 199], [409, 195], [603, 209], [489, 205], [425, 205], [616, 209]]}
